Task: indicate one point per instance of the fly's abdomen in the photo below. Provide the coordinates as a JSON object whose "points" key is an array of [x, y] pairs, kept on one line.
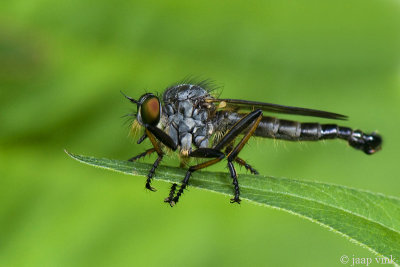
{"points": [[295, 131]]}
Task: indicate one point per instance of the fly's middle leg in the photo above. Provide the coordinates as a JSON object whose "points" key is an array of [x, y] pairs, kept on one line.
{"points": [[250, 120], [199, 153]]}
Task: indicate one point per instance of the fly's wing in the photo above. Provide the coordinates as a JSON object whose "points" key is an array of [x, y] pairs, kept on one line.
{"points": [[237, 104]]}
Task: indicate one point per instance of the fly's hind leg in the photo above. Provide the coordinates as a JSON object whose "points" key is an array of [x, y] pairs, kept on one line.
{"points": [[248, 167], [252, 120], [241, 161]]}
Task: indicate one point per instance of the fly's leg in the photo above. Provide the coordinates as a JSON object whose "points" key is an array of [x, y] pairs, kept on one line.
{"points": [[235, 183], [246, 165], [161, 136], [199, 153], [154, 134], [183, 163], [141, 139], [160, 153], [147, 152], [152, 171], [253, 119], [241, 161], [170, 197]]}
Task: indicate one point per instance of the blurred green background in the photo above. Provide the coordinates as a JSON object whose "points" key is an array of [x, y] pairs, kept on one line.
{"points": [[63, 63]]}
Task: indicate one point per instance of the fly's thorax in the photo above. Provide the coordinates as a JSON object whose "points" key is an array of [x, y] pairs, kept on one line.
{"points": [[223, 121], [186, 116]]}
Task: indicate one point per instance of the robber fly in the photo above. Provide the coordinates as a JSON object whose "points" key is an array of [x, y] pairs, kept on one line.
{"points": [[190, 119]]}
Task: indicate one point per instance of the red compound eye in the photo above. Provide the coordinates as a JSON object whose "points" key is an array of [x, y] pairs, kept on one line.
{"points": [[150, 111]]}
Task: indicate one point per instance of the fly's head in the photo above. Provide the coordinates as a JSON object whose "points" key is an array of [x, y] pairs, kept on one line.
{"points": [[148, 109]]}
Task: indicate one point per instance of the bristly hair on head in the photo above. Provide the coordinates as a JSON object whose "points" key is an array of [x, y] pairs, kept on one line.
{"points": [[131, 123], [130, 117]]}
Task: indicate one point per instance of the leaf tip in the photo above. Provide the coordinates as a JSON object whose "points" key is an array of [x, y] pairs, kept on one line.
{"points": [[69, 153]]}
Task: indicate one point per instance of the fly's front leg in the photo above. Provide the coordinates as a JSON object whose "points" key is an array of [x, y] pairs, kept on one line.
{"points": [[199, 153], [141, 139], [152, 133], [152, 171], [147, 152], [160, 153]]}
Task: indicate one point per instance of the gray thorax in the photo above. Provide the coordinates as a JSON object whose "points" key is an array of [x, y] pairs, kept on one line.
{"points": [[185, 117]]}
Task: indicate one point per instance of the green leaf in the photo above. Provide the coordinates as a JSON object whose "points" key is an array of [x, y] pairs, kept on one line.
{"points": [[369, 219]]}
